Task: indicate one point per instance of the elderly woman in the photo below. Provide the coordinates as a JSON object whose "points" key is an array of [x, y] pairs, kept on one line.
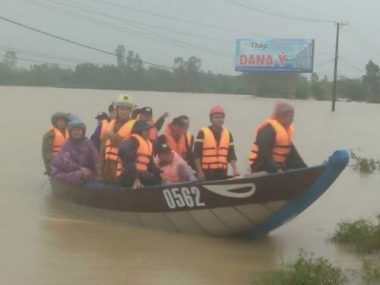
{"points": [[273, 149], [76, 161]]}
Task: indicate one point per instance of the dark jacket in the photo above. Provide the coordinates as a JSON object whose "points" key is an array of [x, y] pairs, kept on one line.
{"points": [[265, 140], [128, 154], [95, 137]]}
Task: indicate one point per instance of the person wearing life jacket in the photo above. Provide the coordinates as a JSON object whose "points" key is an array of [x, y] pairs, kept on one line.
{"points": [[103, 121], [173, 167], [180, 139], [76, 162], [118, 130], [214, 149], [146, 113], [54, 139], [273, 149], [136, 154]]}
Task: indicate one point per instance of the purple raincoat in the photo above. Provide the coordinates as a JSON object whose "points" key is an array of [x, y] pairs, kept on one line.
{"points": [[73, 155]]}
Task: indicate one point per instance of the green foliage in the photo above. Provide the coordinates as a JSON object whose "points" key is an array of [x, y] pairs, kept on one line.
{"points": [[352, 89], [186, 75], [363, 234], [363, 164], [371, 81], [371, 272], [307, 270], [10, 58]]}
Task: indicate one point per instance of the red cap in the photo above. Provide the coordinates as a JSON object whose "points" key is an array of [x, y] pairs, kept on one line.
{"points": [[217, 110]]}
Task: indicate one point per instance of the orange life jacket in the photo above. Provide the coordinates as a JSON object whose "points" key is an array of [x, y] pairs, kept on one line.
{"points": [[214, 155], [59, 139], [103, 128], [111, 149], [144, 153], [152, 131], [183, 146], [281, 149]]}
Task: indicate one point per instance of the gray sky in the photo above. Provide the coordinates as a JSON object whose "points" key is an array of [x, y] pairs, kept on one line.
{"points": [[159, 39]]}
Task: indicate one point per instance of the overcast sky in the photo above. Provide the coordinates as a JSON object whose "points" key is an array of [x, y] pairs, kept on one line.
{"points": [[160, 30]]}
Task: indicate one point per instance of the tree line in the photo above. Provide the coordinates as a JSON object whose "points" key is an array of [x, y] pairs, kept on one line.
{"points": [[130, 73]]}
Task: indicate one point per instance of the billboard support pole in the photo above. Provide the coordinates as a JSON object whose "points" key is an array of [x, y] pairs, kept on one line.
{"points": [[338, 25]]}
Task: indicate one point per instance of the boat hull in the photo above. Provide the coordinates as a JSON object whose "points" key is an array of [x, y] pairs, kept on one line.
{"points": [[248, 206]]}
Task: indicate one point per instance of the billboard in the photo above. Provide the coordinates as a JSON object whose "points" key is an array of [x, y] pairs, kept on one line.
{"points": [[274, 55]]}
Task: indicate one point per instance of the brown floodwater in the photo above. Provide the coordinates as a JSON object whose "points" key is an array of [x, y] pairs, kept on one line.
{"points": [[44, 240]]}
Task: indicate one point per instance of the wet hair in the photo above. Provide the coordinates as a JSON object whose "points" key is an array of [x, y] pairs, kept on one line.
{"points": [[135, 113], [180, 121], [161, 145]]}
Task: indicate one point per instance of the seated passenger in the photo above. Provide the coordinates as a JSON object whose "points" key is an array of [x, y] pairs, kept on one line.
{"points": [[76, 161], [214, 149], [180, 139], [136, 155], [54, 139], [173, 167], [273, 149]]}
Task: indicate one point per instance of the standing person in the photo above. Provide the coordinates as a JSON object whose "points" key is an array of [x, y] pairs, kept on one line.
{"points": [[146, 113], [173, 167], [76, 162], [103, 121], [118, 131], [273, 149], [136, 155], [214, 149], [180, 139], [54, 139]]}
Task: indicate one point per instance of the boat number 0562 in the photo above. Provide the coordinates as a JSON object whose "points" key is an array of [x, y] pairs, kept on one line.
{"points": [[183, 197]]}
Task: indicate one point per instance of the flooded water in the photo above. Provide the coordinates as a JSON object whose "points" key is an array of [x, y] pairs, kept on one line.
{"points": [[47, 241]]}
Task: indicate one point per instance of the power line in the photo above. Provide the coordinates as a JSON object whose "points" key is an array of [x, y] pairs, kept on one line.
{"points": [[73, 42], [354, 35], [140, 34], [38, 61], [125, 7], [39, 54], [324, 62], [143, 24], [354, 67], [277, 13]]}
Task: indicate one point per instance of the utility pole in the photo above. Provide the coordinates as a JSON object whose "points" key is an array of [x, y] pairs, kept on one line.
{"points": [[338, 25]]}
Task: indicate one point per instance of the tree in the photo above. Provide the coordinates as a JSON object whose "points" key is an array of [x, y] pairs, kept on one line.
{"points": [[10, 58], [371, 81], [352, 89], [120, 55]]}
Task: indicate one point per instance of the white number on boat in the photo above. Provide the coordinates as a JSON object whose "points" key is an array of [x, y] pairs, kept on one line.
{"points": [[181, 197]]}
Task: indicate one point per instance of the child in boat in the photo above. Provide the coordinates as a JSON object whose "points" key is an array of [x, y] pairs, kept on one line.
{"points": [[173, 167], [76, 162], [54, 138]]}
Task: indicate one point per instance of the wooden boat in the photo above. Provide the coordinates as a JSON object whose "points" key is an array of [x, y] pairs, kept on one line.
{"points": [[247, 206]]}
